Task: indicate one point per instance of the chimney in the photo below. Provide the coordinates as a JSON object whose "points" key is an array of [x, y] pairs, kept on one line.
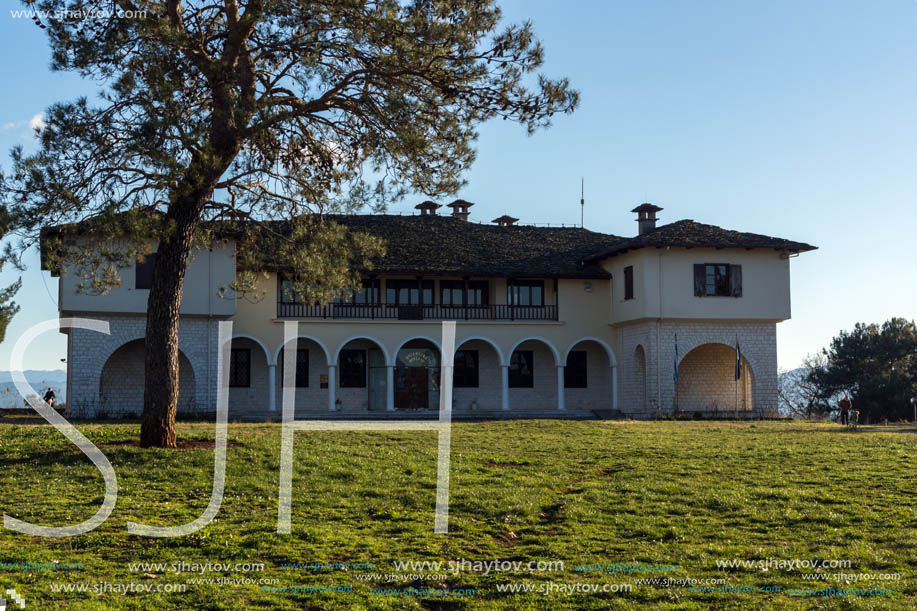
{"points": [[427, 208], [460, 209], [646, 217], [504, 221]]}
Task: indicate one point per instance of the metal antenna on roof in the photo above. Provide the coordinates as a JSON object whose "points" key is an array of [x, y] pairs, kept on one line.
{"points": [[582, 201]]}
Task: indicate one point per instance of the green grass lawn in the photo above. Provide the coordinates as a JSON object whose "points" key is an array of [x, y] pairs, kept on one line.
{"points": [[600, 493]]}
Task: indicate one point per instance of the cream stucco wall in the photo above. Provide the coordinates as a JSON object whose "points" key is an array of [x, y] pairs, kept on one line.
{"points": [[209, 270], [664, 285]]}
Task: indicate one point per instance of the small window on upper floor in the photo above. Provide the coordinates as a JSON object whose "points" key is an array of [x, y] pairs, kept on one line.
{"points": [[143, 272], [717, 280], [629, 282]]}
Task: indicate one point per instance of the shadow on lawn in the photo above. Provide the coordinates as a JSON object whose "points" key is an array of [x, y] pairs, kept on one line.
{"points": [[116, 451]]}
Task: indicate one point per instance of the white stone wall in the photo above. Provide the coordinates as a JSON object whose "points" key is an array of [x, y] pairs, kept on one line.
{"points": [[707, 383], [597, 394], [89, 351], [542, 396], [758, 342], [121, 386]]}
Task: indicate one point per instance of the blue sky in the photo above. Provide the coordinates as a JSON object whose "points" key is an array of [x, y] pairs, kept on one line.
{"points": [[794, 119]]}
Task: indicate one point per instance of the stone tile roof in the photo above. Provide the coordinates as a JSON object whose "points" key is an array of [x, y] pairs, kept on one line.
{"points": [[445, 245], [690, 234]]}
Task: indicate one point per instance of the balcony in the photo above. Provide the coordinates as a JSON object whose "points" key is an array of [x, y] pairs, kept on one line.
{"points": [[357, 311]]}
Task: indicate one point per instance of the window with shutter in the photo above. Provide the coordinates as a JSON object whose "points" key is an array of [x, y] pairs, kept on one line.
{"points": [[717, 280]]}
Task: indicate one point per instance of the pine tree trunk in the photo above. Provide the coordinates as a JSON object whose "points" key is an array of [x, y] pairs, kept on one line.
{"points": [[160, 393]]}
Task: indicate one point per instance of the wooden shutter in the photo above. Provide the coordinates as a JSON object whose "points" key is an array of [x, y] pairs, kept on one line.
{"points": [[700, 279], [735, 280]]}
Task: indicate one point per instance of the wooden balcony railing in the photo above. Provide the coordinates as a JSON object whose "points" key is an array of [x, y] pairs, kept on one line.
{"points": [[357, 311]]}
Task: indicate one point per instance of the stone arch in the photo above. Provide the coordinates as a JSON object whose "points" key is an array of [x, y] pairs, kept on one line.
{"points": [[343, 344], [543, 394], [592, 388], [486, 340], [252, 401], [550, 346], [267, 353], [612, 360], [487, 395], [394, 355], [706, 380], [308, 337], [121, 382]]}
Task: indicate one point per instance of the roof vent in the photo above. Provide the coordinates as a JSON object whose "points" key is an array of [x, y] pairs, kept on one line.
{"points": [[646, 217], [504, 221], [460, 209], [427, 208]]}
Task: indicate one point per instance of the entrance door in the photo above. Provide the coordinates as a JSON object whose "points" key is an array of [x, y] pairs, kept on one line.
{"points": [[411, 388]]}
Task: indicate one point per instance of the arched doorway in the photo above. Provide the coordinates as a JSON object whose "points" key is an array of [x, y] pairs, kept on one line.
{"points": [[310, 381], [121, 385], [248, 379], [417, 375], [588, 376], [476, 380], [707, 382], [361, 375], [638, 384], [533, 376]]}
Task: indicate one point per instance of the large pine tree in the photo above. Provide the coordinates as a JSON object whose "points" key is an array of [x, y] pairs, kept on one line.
{"points": [[259, 110]]}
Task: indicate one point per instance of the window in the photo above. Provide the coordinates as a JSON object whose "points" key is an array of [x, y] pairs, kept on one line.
{"points": [[520, 369], [240, 368], [629, 282], [407, 292], [302, 367], [143, 277], [575, 371], [525, 292], [453, 293], [717, 280], [353, 369], [477, 292], [369, 295], [465, 373]]}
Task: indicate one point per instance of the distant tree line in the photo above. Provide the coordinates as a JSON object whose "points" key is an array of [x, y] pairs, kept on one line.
{"points": [[875, 364]]}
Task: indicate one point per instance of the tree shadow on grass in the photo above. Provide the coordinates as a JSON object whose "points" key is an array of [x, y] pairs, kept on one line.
{"points": [[120, 452]]}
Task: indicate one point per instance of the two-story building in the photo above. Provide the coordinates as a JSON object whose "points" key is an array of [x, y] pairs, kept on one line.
{"points": [[559, 322]]}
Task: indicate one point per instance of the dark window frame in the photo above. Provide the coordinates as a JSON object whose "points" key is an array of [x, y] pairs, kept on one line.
{"points": [[466, 371], [143, 272], [424, 292], [628, 282], [717, 280], [575, 371], [517, 377], [236, 369], [356, 376], [518, 291], [472, 293], [302, 367]]}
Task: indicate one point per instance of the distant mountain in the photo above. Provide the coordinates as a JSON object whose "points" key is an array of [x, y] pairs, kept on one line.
{"points": [[40, 379]]}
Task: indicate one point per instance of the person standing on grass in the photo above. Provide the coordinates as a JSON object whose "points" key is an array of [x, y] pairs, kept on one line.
{"points": [[49, 397], [845, 404]]}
